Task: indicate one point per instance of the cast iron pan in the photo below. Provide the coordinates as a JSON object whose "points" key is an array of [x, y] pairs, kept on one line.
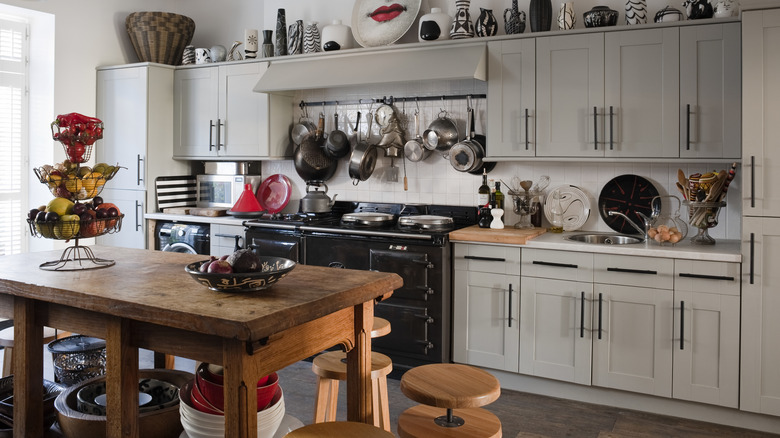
{"points": [[627, 194]]}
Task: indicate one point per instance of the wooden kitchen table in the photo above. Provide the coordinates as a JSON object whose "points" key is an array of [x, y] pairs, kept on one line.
{"points": [[147, 300]]}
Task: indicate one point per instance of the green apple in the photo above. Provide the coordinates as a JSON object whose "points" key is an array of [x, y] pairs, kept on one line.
{"points": [[67, 227]]}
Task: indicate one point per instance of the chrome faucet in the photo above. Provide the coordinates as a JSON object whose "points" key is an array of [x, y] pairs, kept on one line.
{"points": [[648, 222]]}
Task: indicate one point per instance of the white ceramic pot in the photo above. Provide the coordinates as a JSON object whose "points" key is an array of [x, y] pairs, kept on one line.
{"points": [[434, 26], [336, 36]]}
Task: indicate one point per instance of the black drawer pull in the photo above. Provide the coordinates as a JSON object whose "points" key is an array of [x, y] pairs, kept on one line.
{"points": [[485, 259], [752, 256], [510, 306], [682, 325], [633, 271], [706, 277], [582, 314], [601, 302], [557, 265]]}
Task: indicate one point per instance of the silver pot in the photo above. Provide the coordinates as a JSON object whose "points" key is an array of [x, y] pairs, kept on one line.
{"points": [[317, 201], [441, 134]]}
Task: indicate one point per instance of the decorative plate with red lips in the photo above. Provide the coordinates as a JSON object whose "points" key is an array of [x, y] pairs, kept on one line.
{"points": [[383, 22], [627, 194]]}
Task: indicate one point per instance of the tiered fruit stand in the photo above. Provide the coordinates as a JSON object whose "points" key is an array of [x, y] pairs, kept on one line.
{"points": [[77, 211]]}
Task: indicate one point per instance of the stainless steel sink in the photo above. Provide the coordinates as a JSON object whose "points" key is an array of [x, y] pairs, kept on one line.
{"points": [[604, 239]]}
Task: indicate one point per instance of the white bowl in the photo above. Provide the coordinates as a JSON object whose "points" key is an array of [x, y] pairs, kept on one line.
{"points": [[288, 424]]}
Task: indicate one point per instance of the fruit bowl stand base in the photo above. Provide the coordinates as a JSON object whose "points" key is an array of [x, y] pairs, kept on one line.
{"points": [[75, 258]]}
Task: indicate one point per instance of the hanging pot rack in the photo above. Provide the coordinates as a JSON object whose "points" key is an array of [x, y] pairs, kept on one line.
{"points": [[390, 100]]}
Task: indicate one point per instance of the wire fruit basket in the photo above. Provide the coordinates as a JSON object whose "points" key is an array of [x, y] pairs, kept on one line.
{"points": [[75, 182]]}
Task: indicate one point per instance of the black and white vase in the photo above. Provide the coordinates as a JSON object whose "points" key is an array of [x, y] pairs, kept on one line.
{"points": [[250, 43], [434, 26], [267, 49], [311, 39], [636, 11], [514, 19], [461, 24], [566, 17], [188, 57], [540, 15], [295, 38], [486, 24], [280, 46]]}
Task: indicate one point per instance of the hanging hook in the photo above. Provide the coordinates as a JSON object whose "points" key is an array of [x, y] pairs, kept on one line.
{"points": [[417, 103]]}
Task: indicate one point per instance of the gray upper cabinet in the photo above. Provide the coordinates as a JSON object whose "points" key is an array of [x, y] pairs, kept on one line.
{"points": [[710, 97], [511, 97]]}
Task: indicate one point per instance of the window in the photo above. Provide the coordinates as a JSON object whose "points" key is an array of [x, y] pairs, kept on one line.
{"points": [[13, 136]]}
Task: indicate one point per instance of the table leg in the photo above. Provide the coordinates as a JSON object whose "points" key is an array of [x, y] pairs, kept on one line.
{"points": [[240, 385], [28, 369], [359, 405], [121, 381]]}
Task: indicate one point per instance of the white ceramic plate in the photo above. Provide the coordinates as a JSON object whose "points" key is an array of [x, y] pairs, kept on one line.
{"points": [[576, 206], [379, 23]]}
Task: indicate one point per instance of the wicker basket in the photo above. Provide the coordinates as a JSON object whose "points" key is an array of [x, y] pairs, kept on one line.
{"points": [[159, 36]]}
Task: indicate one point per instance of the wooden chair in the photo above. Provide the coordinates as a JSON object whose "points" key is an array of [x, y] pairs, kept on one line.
{"points": [[444, 391], [341, 429], [7, 342], [331, 367]]}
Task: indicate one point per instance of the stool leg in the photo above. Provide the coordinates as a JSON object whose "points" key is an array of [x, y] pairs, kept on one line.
{"points": [[321, 403], [333, 399], [449, 420], [8, 361], [384, 405]]}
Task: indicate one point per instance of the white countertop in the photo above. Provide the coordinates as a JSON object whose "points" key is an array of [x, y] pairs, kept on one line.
{"points": [[221, 220], [722, 251]]}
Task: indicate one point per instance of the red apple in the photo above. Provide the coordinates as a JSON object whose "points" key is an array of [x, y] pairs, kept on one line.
{"points": [[206, 264], [220, 267]]}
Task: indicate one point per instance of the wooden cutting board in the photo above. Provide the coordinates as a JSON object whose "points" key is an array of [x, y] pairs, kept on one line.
{"points": [[177, 210], [508, 235], [210, 212]]}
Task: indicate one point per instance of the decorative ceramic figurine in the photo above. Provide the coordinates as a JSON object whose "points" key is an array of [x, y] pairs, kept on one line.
{"points": [[202, 55], [668, 14], [697, 9], [234, 54], [250, 43], [188, 57], [726, 8], [268, 45], [280, 48], [295, 38], [540, 15], [311, 39], [461, 24], [434, 26], [336, 36], [486, 24], [636, 12], [566, 18], [514, 19], [218, 53]]}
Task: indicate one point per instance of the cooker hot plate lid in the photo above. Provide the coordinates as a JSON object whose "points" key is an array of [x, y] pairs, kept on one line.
{"points": [[368, 218], [426, 221]]}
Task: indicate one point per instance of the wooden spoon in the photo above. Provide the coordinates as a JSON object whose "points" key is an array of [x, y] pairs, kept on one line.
{"points": [[681, 178]]}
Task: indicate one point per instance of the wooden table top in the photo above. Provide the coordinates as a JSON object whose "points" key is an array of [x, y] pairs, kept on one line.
{"points": [[152, 286]]}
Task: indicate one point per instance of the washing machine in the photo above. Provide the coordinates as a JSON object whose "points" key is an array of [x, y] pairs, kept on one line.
{"points": [[182, 237]]}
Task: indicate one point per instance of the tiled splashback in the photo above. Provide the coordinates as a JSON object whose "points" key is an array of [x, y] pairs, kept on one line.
{"points": [[435, 181]]}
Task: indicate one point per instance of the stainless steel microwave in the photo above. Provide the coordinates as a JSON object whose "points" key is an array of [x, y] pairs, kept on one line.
{"points": [[222, 191]]}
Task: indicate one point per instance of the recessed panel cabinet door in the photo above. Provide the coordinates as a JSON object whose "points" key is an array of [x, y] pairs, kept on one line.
{"points": [[243, 114], [570, 95], [196, 112], [632, 327]]}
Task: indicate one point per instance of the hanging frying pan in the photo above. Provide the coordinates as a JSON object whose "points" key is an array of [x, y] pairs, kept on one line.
{"points": [[363, 158]]}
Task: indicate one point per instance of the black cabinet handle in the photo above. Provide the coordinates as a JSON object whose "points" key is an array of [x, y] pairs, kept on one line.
{"points": [[139, 178], [688, 127], [211, 134], [510, 305], [582, 314], [601, 302], [706, 277], [752, 181], [428, 265], [682, 325], [138, 224], [595, 130], [220, 123], [752, 256], [611, 142], [526, 130], [485, 259], [633, 271], [557, 265]]}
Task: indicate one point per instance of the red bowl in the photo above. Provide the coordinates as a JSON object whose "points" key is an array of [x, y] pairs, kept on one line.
{"points": [[210, 385], [266, 393], [199, 402]]}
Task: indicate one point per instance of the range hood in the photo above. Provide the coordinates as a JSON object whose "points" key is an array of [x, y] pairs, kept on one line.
{"points": [[452, 61]]}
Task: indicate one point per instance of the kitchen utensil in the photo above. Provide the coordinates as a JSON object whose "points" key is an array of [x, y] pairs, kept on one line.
{"points": [[406, 180], [441, 134], [301, 129], [575, 206], [627, 194], [310, 160], [363, 158], [247, 203], [487, 166], [317, 201], [666, 227], [337, 145], [682, 190], [414, 149], [703, 215], [392, 172], [466, 155], [374, 218], [526, 185], [274, 193], [542, 184]]}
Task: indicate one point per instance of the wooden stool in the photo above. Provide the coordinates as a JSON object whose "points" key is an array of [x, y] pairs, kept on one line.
{"points": [[7, 342], [341, 429], [449, 387], [331, 367]]}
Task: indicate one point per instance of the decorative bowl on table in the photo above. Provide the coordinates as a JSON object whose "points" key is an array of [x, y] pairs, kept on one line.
{"points": [[271, 270]]}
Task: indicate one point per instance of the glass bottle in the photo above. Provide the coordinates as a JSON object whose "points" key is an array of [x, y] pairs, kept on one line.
{"points": [[499, 196], [484, 191], [556, 211]]}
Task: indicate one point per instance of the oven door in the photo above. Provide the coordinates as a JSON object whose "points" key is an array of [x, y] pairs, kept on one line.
{"points": [[275, 243]]}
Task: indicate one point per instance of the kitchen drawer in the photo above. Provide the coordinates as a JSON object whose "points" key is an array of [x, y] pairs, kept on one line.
{"points": [[561, 265], [487, 258], [707, 277], [654, 272]]}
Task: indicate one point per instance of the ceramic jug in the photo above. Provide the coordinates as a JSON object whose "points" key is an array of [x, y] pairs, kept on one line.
{"points": [[280, 48], [336, 36], [514, 19], [434, 26], [636, 12], [461, 24], [486, 24], [311, 39]]}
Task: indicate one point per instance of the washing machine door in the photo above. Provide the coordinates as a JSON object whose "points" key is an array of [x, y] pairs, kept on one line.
{"points": [[179, 247]]}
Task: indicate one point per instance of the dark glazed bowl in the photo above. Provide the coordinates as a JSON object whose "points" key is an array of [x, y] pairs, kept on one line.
{"points": [[600, 16], [50, 392], [272, 269]]}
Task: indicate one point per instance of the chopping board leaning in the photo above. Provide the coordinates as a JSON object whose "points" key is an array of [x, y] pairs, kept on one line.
{"points": [[512, 236]]}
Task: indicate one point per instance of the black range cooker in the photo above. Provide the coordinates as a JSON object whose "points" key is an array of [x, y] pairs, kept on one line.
{"points": [[410, 240]]}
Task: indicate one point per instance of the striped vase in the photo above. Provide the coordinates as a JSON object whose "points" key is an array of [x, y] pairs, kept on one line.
{"points": [[312, 39], [462, 27], [636, 12]]}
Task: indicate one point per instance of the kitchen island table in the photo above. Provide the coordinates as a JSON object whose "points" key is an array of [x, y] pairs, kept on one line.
{"points": [[147, 300]]}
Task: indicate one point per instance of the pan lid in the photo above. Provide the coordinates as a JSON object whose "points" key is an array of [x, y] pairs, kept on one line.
{"points": [[368, 218], [426, 221]]}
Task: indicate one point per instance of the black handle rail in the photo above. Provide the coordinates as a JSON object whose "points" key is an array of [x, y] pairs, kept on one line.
{"points": [[554, 264]]}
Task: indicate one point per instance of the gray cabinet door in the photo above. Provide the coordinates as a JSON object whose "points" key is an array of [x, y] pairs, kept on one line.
{"points": [[195, 112], [511, 98], [710, 95]]}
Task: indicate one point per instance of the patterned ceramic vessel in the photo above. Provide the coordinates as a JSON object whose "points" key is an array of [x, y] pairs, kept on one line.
{"points": [[636, 12], [461, 23], [668, 14], [566, 18], [434, 26], [272, 269], [295, 38], [280, 46], [514, 19], [486, 24], [600, 16], [540, 15], [312, 41]]}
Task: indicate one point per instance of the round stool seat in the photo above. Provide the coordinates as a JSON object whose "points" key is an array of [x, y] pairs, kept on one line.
{"points": [[380, 328], [417, 422], [448, 385], [333, 365], [342, 429]]}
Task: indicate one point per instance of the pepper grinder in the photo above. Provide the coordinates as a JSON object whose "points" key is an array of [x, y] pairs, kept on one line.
{"points": [[497, 224]]}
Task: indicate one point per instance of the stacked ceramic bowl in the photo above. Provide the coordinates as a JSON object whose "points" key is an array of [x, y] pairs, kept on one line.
{"points": [[202, 404]]}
